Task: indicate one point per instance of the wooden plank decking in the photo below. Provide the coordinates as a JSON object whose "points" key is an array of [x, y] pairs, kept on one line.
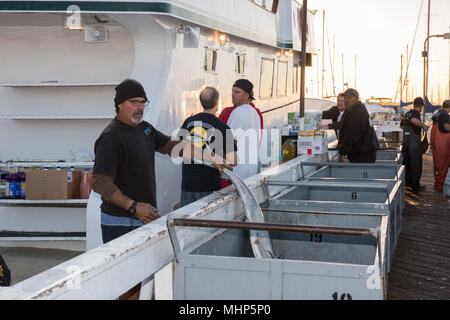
{"points": [[421, 265]]}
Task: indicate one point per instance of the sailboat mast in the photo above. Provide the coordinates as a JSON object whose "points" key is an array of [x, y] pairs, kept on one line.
{"points": [[401, 78], [303, 57], [427, 58], [323, 51], [406, 75], [343, 77]]}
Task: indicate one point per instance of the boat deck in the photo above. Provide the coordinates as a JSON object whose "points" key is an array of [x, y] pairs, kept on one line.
{"points": [[25, 263], [421, 265]]}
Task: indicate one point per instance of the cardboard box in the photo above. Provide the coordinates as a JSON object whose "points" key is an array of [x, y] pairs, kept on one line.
{"points": [[312, 142], [52, 184]]}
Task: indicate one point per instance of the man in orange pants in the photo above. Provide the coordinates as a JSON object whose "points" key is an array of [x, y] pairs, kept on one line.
{"points": [[440, 145]]}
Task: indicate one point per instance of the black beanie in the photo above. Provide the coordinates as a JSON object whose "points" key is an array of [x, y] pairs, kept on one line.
{"points": [[128, 89]]}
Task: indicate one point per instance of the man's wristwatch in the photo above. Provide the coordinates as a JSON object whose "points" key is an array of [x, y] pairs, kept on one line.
{"points": [[132, 209]]}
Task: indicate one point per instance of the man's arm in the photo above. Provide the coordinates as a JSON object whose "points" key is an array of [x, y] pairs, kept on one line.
{"points": [[188, 151], [335, 125], [419, 123], [332, 113], [232, 158], [104, 185]]}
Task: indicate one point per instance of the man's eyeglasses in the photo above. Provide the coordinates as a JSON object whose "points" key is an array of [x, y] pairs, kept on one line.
{"points": [[137, 103]]}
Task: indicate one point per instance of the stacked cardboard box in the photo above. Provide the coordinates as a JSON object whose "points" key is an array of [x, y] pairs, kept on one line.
{"points": [[312, 142], [53, 184]]}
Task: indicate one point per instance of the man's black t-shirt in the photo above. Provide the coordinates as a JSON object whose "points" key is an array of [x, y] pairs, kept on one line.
{"points": [[127, 154], [205, 130], [413, 114]]}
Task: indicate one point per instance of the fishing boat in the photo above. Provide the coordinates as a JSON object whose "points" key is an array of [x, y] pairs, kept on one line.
{"points": [[75, 54], [386, 121]]}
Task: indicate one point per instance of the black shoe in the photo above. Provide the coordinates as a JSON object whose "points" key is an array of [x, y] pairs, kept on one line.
{"points": [[418, 188]]}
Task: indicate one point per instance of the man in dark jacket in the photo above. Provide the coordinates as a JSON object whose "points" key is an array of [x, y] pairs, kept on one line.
{"points": [[357, 138], [412, 156], [336, 114]]}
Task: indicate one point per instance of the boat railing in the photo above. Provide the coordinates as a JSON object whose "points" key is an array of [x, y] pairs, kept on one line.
{"points": [[110, 270], [280, 107]]}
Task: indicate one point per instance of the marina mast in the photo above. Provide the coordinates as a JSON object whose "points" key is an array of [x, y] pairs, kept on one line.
{"points": [[303, 57]]}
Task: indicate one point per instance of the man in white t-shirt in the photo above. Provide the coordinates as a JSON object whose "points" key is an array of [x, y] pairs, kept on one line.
{"points": [[246, 122]]}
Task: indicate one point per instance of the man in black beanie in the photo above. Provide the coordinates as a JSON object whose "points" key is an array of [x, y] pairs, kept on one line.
{"points": [[128, 89], [124, 169]]}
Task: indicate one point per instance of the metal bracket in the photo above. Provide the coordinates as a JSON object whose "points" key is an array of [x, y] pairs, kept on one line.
{"points": [[173, 238], [240, 225], [266, 189]]}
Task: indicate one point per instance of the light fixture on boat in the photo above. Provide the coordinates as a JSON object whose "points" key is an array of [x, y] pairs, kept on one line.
{"points": [[96, 33], [73, 20], [223, 39]]}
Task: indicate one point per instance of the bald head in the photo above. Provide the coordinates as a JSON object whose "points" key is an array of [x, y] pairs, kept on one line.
{"points": [[209, 98]]}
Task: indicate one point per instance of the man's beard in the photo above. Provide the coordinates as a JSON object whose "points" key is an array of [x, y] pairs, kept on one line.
{"points": [[137, 118]]}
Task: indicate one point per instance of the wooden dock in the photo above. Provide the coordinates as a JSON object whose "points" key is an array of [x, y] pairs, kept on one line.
{"points": [[421, 265]]}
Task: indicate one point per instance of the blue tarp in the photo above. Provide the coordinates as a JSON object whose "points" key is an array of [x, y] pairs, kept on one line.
{"points": [[404, 104], [429, 108]]}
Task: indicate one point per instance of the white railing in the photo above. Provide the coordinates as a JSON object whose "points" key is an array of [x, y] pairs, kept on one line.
{"points": [[108, 271]]}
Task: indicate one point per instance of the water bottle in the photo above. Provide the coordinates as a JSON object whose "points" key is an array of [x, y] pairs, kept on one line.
{"points": [[13, 191]]}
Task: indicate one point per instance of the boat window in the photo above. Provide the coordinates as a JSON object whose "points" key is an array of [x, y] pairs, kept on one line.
{"points": [[210, 60], [295, 76], [240, 63], [282, 78], [266, 84]]}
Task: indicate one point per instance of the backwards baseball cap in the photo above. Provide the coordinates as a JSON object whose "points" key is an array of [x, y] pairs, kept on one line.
{"points": [[128, 89], [351, 93], [245, 85], [446, 104], [419, 102]]}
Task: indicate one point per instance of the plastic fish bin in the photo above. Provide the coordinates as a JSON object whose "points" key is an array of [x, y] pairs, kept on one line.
{"points": [[369, 173], [390, 156], [339, 267], [359, 171], [345, 198]]}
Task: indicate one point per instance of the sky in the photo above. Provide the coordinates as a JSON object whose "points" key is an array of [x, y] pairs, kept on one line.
{"points": [[378, 33]]}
